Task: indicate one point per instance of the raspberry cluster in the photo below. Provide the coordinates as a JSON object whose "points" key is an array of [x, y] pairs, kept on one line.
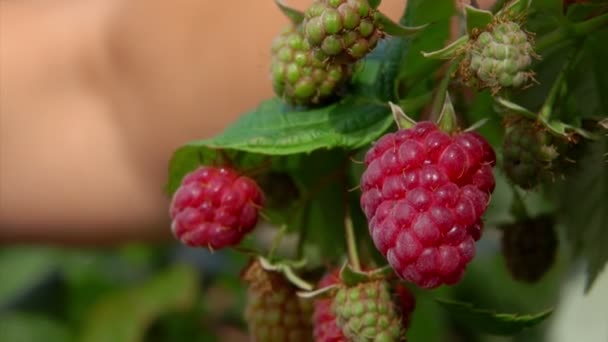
{"points": [[344, 30], [501, 56], [362, 311], [528, 152], [424, 193], [215, 207], [298, 75]]}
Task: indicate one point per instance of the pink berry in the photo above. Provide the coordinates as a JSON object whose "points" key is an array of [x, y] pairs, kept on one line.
{"points": [[215, 208], [425, 205]]}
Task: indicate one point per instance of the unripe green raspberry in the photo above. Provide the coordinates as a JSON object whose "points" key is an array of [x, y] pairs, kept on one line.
{"points": [[274, 313], [299, 74], [500, 57], [528, 152], [367, 312], [344, 30]]}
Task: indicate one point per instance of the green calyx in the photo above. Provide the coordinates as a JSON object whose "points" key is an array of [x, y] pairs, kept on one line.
{"points": [[344, 30], [499, 57], [367, 312], [300, 75]]}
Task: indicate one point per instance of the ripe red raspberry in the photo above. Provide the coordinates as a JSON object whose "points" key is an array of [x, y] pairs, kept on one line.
{"points": [[424, 193], [215, 207]]}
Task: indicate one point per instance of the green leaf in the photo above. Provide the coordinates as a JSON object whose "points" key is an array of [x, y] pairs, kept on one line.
{"points": [[477, 18], [275, 129], [553, 6], [22, 327], [293, 14], [124, 316], [23, 268], [394, 29], [584, 209], [490, 322], [374, 3], [516, 7]]}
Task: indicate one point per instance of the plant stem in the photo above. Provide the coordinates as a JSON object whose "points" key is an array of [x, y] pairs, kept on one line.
{"points": [[566, 34], [591, 25], [545, 111], [276, 242], [351, 243]]}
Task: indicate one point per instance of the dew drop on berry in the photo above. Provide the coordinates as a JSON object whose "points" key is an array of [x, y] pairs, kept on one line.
{"points": [[404, 214], [454, 161], [411, 154], [393, 187], [467, 249], [407, 247], [419, 198], [426, 230], [448, 260], [431, 178]]}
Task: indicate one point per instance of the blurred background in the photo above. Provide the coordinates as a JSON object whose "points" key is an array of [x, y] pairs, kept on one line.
{"points": [[94, 97]]}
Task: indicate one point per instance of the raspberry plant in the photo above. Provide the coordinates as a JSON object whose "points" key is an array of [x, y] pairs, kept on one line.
{"points": [[398, 146]]}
